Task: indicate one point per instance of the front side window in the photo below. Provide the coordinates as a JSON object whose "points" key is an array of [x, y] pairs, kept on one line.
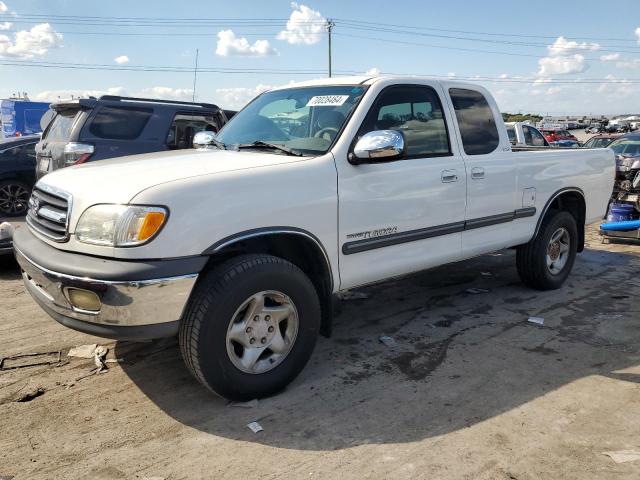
{"points": [[305, 120], [475, 120], [511, 132], [185, 126], [116, 123], [415, 111]]}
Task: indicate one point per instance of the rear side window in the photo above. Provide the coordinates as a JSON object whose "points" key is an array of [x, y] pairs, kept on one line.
{"points": [[116, 123], [475, 120], [511, 131], [61, 126], [415, 111]]}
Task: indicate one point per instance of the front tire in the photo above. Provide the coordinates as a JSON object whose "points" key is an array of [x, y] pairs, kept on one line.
{"points": [[546, 261], [250, 326], [14, 196]]}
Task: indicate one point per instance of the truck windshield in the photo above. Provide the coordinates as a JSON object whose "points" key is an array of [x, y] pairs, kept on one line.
{"points": [[303, 120], [629, 146]]}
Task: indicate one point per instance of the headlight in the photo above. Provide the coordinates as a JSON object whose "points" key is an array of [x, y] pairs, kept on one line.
{"points": [[119, 225]]}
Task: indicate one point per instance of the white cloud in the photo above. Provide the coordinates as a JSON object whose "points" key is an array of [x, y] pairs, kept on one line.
{"points": [[305, 25], [6, 25], [637, 32], [230, 45], [30, 43], [374, 72], [3, 7], [121, 59], [563, 57], [553, 90], [633, 63], [166, 93], [612, 57], [54, 95], [236, 98]]}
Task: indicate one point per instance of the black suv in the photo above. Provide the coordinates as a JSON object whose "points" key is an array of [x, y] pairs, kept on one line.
{"points": [[86, 130], [17, 174]]}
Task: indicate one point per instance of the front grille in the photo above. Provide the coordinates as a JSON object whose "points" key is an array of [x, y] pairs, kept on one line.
{"points": [[48, 212]]}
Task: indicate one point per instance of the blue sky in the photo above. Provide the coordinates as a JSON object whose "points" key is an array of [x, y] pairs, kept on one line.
{"points": [[555, 57]]}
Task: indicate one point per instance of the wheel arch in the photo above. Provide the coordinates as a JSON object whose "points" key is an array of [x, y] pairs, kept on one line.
{"points": [[572, 200], [295, 245]]}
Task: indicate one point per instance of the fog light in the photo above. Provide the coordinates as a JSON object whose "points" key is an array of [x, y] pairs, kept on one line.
{"points": [[83, 299]]}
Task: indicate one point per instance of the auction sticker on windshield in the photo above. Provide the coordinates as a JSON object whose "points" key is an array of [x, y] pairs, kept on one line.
{"points": [[327, 101]]}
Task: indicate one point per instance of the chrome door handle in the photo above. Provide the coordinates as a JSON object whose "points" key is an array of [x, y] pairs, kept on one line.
{"points": [[449, 176], [477, 173]]}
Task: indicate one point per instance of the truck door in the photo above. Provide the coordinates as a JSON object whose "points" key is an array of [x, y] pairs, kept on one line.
{"points": [[491, 173], [407, 214]]}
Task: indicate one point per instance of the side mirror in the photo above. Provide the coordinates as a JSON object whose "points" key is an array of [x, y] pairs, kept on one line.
{"points": [[379, 145], [204, 139]]}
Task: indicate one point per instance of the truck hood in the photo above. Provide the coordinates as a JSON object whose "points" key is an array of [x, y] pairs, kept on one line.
{"points": [[119, 180]]}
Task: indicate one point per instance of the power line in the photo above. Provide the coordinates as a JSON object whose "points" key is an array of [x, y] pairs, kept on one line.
{"points": [[502, 34], [448, 47], [177, 69]]}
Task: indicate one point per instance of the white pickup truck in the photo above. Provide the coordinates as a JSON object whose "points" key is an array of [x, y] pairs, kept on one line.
{"points": [[239, 246]]}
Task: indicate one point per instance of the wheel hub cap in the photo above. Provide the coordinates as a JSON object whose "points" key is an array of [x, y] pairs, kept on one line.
{"points": [[558, 250], [262, 332]]}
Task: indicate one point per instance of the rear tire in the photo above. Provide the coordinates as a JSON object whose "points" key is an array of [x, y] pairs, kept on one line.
{"points": [[546, 261], [250, 326]]}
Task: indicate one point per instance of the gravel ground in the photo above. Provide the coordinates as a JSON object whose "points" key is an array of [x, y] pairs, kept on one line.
{"points": [[471, 390]]}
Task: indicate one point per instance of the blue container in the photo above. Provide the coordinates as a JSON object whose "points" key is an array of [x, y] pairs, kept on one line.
{"points": [[621, 212]]}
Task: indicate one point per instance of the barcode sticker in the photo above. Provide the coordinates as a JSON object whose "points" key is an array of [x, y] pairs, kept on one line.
{"points": [[327, 100]]}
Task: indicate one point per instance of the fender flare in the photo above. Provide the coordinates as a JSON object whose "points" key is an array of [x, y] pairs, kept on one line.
{"points": [[276, 230]]}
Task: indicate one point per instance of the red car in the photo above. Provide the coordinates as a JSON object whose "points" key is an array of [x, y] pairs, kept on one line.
{"points": [[557, 135]]}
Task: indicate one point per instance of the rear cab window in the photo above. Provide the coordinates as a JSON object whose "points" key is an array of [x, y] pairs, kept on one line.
{"points": [[120, 123], [476, 121]]}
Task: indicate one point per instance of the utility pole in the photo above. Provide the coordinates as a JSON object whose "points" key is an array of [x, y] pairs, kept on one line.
{"points": [[195, 75], [330, 24]]}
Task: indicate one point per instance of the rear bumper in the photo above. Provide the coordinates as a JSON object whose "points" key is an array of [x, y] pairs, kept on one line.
{"points": [[138, 305]]}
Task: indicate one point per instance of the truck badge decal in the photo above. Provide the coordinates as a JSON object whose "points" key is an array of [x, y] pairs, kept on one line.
{"points": [[381, 232]]}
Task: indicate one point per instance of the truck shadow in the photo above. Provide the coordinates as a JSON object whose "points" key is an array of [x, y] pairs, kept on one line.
{"points": [[460, 356]]}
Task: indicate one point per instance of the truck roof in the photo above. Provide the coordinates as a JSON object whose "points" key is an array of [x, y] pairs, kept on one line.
{"points": [[368, 80]]}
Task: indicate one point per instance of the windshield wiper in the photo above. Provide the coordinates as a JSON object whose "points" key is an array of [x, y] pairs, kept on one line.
{"points": [[273, 146], [218, 144]]}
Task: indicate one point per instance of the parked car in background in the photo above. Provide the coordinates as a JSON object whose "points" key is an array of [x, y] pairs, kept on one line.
{"points": [[600, 141], [627, 185], [312, 189], [594, 128], [555, 135], [565, 144], [91, 129], [523, 135], [17, 174]]}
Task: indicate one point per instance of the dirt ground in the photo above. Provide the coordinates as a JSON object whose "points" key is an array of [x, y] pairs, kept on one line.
{"points": [[471, 390]]}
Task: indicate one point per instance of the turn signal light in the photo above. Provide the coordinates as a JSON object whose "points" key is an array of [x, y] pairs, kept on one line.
{"points": [[150, 225]]}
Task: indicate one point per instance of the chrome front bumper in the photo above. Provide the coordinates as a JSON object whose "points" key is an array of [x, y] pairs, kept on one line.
{"points": [[141, 303]]}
